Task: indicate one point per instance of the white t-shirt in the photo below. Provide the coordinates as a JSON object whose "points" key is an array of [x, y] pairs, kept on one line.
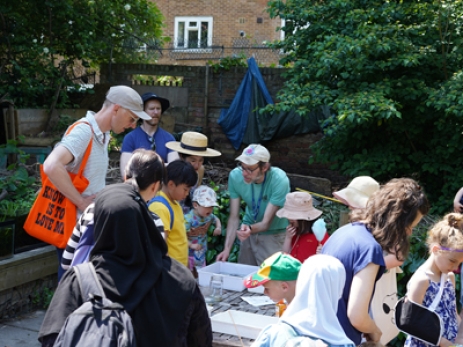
{"points": [[97, 165]]}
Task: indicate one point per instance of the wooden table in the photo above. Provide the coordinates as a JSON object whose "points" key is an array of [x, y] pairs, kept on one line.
{"points": [[231, 300]]}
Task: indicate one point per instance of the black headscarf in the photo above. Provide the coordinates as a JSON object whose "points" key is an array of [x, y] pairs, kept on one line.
{"points": [[130, 257]]}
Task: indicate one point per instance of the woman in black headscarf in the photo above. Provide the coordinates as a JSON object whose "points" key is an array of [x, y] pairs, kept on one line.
{"points": [[130, 258]]}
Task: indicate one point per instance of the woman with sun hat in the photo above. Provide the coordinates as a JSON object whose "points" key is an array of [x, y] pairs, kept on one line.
{"points": [[192, 148]]}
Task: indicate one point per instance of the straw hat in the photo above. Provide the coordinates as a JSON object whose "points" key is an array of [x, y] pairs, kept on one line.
{"points": [[299, 205], [193, 143], [357, 193]]}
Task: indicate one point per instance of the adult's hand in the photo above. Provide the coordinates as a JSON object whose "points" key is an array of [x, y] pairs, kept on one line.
{"points": [[374, 336], [244, 232], [223, 256], [86, 202]]}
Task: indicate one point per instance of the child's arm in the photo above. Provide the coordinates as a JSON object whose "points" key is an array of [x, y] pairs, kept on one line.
{"points": [[417, 287], [457, 207], [290, 232], [218, 227], [194, 246]]}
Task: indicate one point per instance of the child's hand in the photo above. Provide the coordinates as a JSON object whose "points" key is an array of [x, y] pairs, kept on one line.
{"points": [[290, 231], [217, 232], [196, 246], [319, 248]]}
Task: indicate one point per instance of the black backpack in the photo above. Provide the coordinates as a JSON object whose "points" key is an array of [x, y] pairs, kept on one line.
{"points": [[98, 321]]}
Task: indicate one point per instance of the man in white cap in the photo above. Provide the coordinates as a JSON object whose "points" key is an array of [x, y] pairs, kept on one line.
{"points": [[121, 110], [264, 189]]}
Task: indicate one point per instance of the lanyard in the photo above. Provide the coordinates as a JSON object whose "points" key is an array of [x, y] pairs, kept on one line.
{"points": [[256, 207]]}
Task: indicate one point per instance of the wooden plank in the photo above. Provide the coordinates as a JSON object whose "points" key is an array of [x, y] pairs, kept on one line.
{"points": [[28, 266]]}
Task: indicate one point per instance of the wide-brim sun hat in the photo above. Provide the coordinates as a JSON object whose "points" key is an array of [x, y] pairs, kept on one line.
{"points": [[165, 104], [357, 193], [193, 143], [299, 206]]}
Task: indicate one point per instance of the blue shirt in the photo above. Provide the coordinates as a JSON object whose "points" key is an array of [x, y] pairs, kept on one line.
{"points": [[355, 247], [137, 138]]}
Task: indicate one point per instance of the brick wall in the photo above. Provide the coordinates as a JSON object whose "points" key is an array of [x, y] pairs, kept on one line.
{"points": [[291, 154], [230, 17]]}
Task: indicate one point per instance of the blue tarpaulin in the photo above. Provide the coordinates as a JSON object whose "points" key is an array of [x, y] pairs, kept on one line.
{"points": [[242, 122]]}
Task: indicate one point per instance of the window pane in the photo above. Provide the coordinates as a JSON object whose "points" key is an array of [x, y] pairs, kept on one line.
{"points": [[181, 34], [204, 31], [193, 24], [192, 38]]}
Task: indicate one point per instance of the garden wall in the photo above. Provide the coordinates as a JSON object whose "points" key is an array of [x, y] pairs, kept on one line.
{"points": [[198, 102]]}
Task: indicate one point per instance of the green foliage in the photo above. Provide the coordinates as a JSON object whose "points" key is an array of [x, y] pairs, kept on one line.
{"points": [[228, 62], [391, 73], [43, 298], [21, 187], [215, 243], [41, 42]]}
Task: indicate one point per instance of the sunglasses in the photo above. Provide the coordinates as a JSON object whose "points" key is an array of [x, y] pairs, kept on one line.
{"points": [[153, 144]]}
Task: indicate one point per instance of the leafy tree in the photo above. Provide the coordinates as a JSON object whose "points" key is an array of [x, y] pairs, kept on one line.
{"points": [[391, 71], [41, 42]]}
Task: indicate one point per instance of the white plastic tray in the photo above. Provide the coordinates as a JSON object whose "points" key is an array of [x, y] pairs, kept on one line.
{"points": [[232, 274], [242, 324]]}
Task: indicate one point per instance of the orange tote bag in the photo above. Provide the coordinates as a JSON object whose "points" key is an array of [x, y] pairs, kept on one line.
{"points": [[53, 216]]}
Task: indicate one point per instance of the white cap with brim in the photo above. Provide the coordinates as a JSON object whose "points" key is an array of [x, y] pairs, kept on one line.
{"points": [[254, 154], [357, 193], [129, 99]]}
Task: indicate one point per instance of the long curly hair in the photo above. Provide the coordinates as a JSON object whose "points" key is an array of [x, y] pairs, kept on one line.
{"points": [[390, 213]]}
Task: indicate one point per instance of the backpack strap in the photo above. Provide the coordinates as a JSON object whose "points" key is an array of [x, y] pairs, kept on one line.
{"points": [[88, 280], [164, 201]]}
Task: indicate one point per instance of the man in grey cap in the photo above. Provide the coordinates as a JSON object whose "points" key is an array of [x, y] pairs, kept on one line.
{"points": [[121, 110], [264, 189]]}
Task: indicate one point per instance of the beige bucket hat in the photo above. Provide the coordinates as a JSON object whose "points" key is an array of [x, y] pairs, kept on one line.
{"points": [[193, 143], [299, 205], [357, 193]]}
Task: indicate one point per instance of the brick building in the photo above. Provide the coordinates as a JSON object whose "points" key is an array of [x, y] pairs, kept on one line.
{"points": [[202, 30]]}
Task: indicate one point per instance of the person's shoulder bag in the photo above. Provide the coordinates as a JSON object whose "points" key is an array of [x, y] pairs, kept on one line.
{"points": [[53, 216], [418, 321]]}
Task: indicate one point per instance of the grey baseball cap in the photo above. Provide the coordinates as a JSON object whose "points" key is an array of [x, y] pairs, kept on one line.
{"points": [[129, 99]]}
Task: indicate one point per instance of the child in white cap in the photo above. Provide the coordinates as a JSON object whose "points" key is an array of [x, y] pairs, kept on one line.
{"points": [[304, 238], [197, 222]]}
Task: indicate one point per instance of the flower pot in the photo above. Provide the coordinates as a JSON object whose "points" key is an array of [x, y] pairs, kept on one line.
{"points": [[7, 239]]}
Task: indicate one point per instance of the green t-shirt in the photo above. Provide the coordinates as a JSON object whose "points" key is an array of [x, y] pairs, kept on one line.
{"points": [[276, 187]]}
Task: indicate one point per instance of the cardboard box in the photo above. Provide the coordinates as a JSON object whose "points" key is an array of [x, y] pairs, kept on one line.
{"points": [[243, 324], [232, 274]]}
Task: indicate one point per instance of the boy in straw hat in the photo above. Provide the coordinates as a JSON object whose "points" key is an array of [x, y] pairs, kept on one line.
{"points": [[263, 188], [149, 135], [302, 238], [357, 193], [192, 148], [278, 275]]}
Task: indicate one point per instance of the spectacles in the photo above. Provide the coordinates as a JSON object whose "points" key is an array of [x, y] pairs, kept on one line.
{"points": [[134, 118], [246, 169], [153, 144]]}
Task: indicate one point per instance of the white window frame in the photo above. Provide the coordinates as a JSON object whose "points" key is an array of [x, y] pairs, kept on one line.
{"points": [[188, 28], [283, 24]]}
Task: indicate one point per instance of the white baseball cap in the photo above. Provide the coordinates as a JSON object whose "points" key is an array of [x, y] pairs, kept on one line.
{"points": [[254, 154], [129, 99]]}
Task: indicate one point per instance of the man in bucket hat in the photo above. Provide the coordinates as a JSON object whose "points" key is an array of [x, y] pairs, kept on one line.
{"points": [[149, 135], [121, 110], [278, 275], [263, 188]]}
